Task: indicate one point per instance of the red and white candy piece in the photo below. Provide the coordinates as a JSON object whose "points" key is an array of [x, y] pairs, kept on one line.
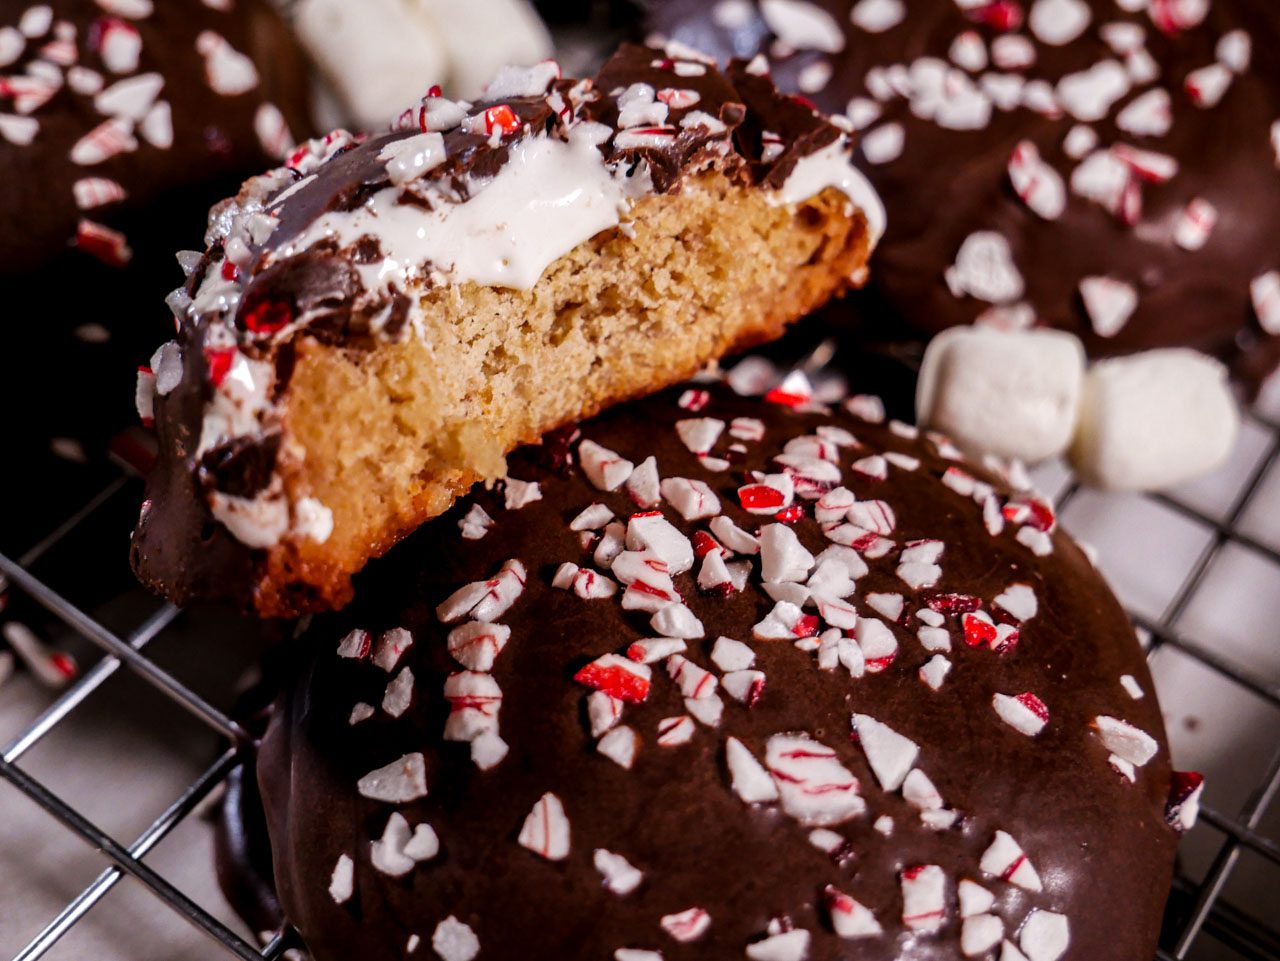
{"points": [[917, 565], [1045, 936], [1124, 740], [890, 754], [453, 940], [786, 622], [924, 890], [1109, 303], [342, 883], [399, 782], [1019, 601], [974, 898], [399, 693], [791, 945], [694, 682], [546, 829], [782, 557], [749, 779], [771, 494], [603, 712], [1149, 115], [1264, 290], [91, 192], [714, 577], [617, 676], [1207, 86], [620, 745], [677, 620], [1058, 22], [605, 469], [620, 875], [1195, 224], [1089, 94], [486, 600], [934, 671], [675, 731], [699, 434], [19, 131], [1183, 806], [1005, 859], [643, 485], [1024, 712], [475, 524], [693, 499], [103, 142], [849, 918], [227, 71], [118, 43], [109, 246], [979, 933], [731, 655], [984, 269], [796, 390], [813, 786], [476, 645], [474, 702], [653, 533], [878, 643], [650, 650], [687, 925], [636, 954], [1036, 183], [517, 493], [920, 793]]}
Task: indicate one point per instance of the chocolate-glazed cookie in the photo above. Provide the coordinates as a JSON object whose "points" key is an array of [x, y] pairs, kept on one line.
{"points": [[721, 676], [1103, 170]]}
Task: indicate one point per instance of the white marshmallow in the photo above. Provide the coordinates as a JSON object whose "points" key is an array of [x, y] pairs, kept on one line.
{"points": [[477, 47], [382, 55], [1154, 420], [378, 57], [1010, 393]]}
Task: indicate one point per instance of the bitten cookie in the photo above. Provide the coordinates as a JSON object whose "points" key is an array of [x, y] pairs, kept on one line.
{"points": [[378, 323], [719, 678], [1107, 169]]}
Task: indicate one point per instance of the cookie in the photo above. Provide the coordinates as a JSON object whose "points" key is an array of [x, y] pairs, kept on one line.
{"points": [[375, 325], [719, 678]]}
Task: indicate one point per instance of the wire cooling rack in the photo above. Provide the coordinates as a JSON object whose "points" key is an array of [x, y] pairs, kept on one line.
{"points": [[1224, 903]]}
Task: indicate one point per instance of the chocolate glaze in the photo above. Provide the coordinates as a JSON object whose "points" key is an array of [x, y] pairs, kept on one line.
{"points": [[178, 549], [948, 184], [1099, 843]]}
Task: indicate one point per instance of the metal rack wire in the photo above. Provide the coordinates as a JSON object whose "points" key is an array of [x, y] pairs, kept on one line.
{"points": [[1197, 911]]}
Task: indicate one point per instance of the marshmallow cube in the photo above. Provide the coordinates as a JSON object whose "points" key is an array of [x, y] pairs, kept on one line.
{"points": [[382, 55], [379, 57], [1011, 393], [1154, 420]]}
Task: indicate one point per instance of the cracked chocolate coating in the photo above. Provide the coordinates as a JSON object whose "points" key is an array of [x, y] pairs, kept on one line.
{"points": [[1099, 843], [948, 184], [178, 548]]}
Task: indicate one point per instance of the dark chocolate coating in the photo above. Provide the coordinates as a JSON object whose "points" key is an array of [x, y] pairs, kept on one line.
{"points": [[178, 549], [1099, 843], [948, 184]]}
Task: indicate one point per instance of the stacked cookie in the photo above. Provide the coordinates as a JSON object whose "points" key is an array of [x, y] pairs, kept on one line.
{"points": [[1103, 169], [701, 675]]}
